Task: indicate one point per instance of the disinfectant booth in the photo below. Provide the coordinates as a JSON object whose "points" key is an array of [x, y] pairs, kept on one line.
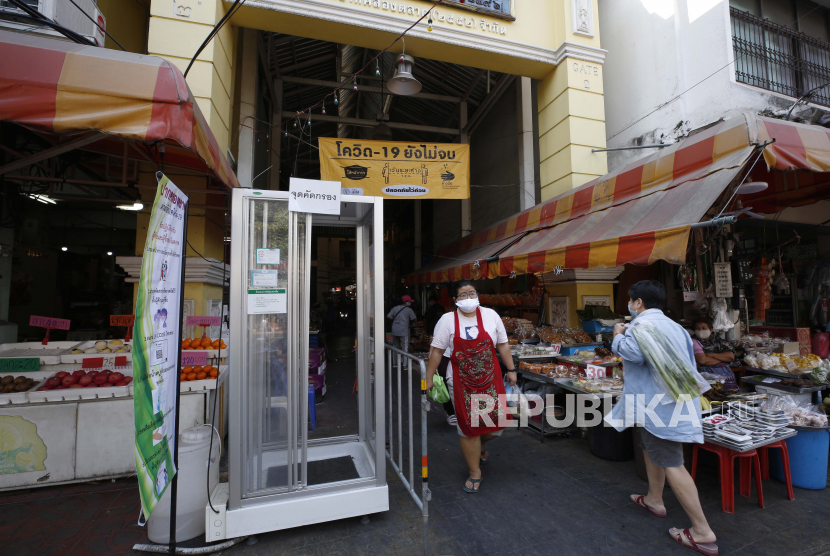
{"points": [[270, 454]]}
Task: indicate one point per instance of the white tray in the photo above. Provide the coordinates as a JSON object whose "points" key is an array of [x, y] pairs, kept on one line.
{"points": [[205, 384], [21, 397], [50, 354], [76, 394], [69, 358]]}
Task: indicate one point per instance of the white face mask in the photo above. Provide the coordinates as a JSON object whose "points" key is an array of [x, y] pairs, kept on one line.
{"points": [[467, 305], [703, 334]]}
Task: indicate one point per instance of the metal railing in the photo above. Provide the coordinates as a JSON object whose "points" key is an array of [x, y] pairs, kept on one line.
{"points": [[402, 369], [777, 58]]}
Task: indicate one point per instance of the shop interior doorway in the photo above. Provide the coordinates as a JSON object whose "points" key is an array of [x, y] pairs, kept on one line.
{"points": [[333, 298]]}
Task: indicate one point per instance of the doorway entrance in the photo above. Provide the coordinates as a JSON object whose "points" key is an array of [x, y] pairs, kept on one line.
{"points": [[281, 475]]}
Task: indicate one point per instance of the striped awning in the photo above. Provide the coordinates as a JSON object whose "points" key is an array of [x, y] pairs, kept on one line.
{"points": [[64, 88], [641, 231], [642, 212], [471, 265]]}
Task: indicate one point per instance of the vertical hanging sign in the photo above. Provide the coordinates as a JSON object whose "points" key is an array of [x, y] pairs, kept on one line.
{"points": [[156, 344]]}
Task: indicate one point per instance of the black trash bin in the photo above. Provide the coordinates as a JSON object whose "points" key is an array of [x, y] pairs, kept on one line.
{"points": [[608, 443]]}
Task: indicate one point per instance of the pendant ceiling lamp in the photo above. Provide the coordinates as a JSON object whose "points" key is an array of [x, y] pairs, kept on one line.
{"points": [[404, 83]]}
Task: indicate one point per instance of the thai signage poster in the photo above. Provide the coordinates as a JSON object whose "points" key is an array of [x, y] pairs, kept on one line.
{"points": [[397, 170], [156, 344]]}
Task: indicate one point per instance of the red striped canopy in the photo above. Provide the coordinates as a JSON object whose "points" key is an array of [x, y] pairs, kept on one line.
{"points": [[64, 88], [642, 212]]}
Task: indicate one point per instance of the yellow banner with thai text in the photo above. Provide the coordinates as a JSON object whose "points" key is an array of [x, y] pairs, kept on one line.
{"points": [[397, 169]]}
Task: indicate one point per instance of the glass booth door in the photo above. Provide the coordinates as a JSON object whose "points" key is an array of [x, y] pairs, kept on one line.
{"points": [[270, 452]]}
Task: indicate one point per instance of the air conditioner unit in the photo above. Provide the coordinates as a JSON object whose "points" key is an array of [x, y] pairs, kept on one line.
{"points": [[62, 12]]}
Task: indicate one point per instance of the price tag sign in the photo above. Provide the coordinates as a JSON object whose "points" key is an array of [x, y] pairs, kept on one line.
{"points": [[595, 371], [47, 322], [203, 321], [195, 358], [691, 296], [556, 348], [122, 320], [19, 364]]}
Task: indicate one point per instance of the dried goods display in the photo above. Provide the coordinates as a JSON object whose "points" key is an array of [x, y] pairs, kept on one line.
{"points": [[563, 335], [527, 299], [551, 370]]}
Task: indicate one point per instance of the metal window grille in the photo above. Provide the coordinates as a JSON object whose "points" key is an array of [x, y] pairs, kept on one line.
{"points": [[776, 58]]}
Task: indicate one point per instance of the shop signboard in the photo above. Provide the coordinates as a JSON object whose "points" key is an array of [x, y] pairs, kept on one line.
{"points": [[723, 279], [157, 342], [314, 197], [397, 170]]}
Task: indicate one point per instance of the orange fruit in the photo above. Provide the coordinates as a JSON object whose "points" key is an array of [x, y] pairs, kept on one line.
{"points": [[185, 343], [197, 369], [183, 377], [206, 342], [187, 370], [191, 376], [224, 345], [214, 372], [215, 344], [201, 376]]}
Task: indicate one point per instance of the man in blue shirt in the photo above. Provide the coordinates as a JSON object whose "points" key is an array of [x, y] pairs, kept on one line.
{"points": [[665, 425]]}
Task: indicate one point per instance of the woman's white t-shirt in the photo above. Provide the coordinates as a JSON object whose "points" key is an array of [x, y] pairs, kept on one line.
{"points": [[468, 326]]}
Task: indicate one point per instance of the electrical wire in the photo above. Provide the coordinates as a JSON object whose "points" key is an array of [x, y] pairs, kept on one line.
{"points": [[216, 28], [98, 26]]}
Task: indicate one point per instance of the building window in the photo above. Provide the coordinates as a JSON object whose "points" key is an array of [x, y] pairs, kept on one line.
{"points": [[782, 46]]}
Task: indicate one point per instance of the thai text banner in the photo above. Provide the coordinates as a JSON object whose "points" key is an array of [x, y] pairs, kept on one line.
{"points": [[396, 169]]}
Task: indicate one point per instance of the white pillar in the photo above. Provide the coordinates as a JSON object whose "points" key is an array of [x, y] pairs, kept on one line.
{"points": [[466, 204], [527, 165], [247, 109]]}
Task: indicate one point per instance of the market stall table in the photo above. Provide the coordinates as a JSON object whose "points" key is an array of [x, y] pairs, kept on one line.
{"points": [[84, 434]]}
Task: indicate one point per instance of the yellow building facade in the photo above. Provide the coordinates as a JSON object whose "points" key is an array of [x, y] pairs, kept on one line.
{"points": [[555, 42]]}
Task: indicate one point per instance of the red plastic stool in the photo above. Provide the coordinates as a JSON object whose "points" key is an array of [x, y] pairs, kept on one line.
{"points": [[785, 460], [727, 458]]}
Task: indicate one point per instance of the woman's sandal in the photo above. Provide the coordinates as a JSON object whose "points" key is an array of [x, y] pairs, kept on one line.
{"points": [[685, 538], [474, 483], [640, 501]]}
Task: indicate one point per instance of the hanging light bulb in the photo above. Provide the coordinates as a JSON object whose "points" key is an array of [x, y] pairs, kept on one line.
{"points": [[377, 69], [336, 100], [324, 108], [295, 124], [309, 119], [355, 83], [429, 23]]}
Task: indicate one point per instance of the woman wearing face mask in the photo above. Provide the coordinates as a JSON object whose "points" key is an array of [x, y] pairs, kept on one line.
{"points": [[470, 337], [713, 354]]}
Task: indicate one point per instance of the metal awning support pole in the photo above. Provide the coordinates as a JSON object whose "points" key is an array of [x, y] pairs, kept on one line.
{"points": [[722, 221], [632, 148]]}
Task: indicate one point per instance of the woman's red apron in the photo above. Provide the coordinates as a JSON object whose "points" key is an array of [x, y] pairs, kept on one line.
{"points": [[476, 371]]}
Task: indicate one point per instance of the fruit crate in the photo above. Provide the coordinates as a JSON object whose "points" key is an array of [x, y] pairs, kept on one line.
{"points": [[109, 358], [50, 354], [7, 398], [205, 384], [39, 395]]}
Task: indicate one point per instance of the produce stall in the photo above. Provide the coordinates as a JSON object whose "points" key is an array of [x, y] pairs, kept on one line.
{"points": [[75, 423]]}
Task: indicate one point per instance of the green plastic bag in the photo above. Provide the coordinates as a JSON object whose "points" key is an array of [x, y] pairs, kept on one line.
{"points": [[439, 392]]}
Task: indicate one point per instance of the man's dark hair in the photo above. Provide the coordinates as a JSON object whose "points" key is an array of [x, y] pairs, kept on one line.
{"points": [[651, 292], [461, 284], [705, 320], [433, 298]]}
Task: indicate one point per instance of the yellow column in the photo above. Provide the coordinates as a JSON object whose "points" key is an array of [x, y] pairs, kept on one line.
{"points": [[571, 123], [175, 34]]}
